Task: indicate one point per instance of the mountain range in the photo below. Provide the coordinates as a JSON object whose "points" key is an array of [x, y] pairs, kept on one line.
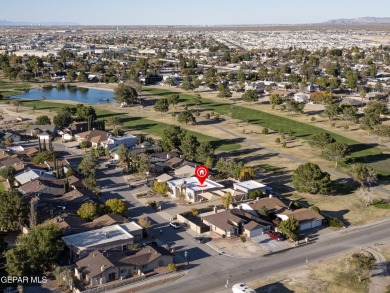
{"points": [[360, 20], [26, 23]]}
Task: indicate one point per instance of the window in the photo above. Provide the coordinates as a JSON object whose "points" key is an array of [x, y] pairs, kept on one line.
{"points": [[123, 271]]}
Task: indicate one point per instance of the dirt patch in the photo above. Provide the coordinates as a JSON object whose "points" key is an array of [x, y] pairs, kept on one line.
{"points": [[235, 247], [333, 275]]}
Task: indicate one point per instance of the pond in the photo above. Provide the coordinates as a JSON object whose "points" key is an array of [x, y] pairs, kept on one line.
{"points": [[77, 94]]}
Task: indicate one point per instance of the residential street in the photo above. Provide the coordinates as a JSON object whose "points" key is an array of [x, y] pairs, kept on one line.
{"points": [[212, 274]]}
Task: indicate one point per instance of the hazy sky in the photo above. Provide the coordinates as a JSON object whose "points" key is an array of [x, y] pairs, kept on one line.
{"points": [[190, 12]]}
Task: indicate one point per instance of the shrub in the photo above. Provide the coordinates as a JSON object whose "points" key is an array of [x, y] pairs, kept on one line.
{"points": [[194, 211], [333, 125], [335, 223], [172, 267], [151, 203], [346, 126], [255, 193], [265, 131], [207, 116], [313, 119], [317, 209], [277, 140], [160, 187], [197, 113], [243, 238]]}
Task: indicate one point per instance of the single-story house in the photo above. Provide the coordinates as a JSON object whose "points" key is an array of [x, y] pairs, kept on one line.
{"points": [[224, 223], [273, 205], [95, 137], [250, 185], [23, 178], [44, 132], [11, 135], [164, 177], [100, 267], [191, 188], [301, 97], [164, 156], [112, 237], [308, 218], [114, 141], [185, 171], [12, 161]]}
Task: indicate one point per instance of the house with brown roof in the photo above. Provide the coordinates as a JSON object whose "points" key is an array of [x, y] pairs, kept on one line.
{"points": [[234, 222], [12, 161], [95, 137], [307, 218], [100, 267], [272, 204], [224, 223]]}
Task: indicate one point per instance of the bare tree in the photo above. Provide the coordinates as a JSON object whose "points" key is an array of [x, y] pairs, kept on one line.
{"points": [[366, 195]]}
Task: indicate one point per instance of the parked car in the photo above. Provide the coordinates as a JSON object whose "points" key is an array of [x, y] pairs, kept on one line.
{"points": [[175, 225], [152, 243], [113, 161], [275, 235], [200, 239]]}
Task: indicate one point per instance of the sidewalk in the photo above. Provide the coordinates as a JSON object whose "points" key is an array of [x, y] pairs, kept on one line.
{"points": [[149, 283]]}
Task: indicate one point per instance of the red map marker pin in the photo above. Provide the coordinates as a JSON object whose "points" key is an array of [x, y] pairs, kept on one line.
{"points": [[201, 172]]}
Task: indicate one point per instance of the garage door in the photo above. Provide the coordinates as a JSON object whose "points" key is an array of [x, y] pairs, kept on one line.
{"points": [[316, 224], [305, 226], [255, 232]]}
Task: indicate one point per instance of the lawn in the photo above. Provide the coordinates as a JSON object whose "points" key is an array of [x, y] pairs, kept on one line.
{"points": [[8, 89], [136, 123], [360, 152]]}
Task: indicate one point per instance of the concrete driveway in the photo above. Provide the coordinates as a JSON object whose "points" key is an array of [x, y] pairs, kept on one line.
{"points": [[272, 245]]}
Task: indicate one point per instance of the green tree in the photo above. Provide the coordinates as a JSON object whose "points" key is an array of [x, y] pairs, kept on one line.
{"points": [[224, 91], [173, 100], [125, 94], [309, 178], [114, 121], [44, 156], [204, 151], [13, 209], [189, 146], [197, 99], [124, 156], [227, 200], [186, 117], [364, 174], [88, 210], [350, 113], [332, 111], [43, 120], [276, 99], [294, 107], [336, 151], [62, 119], [82, 77], [116, 206], [171, 137], [187, 84], [382, 130], [84, 112], [162, 105], [85, 144], [254, 194], [250, 96], [160, 187], [70, 172], [35, 252], [263, 211], [321, 140], [88, 165], [7, 173], [289, 228]]}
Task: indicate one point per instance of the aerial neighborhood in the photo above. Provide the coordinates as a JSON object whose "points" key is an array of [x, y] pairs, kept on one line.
{"points": [[103, 130]]}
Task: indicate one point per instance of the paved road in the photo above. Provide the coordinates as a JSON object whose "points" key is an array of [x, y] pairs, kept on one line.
{"points": [[291, 158], [212, 277]]}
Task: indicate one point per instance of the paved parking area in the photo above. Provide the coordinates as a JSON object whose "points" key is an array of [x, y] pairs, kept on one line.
{"points": [[271, 244]]}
